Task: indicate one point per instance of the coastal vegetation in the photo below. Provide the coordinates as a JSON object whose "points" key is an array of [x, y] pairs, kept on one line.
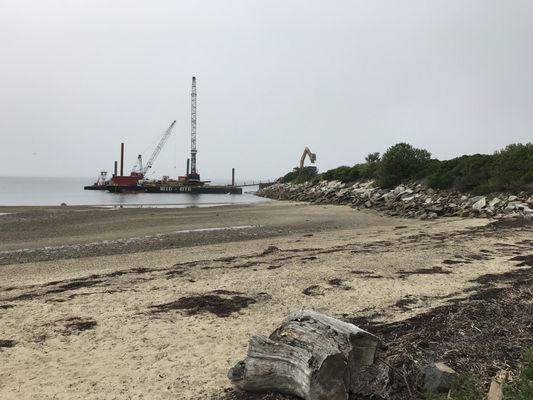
{"points": [[469, 387], [508, 169]]}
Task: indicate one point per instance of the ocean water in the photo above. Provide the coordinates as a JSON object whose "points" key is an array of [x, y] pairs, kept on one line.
{"points": [[54, 191]]}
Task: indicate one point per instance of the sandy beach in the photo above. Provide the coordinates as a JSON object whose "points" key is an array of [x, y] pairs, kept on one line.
{"points": [[159, 303]]}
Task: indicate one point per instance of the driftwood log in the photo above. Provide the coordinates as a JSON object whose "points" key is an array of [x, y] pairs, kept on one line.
{"points": [[315, 357], [496, 386]]}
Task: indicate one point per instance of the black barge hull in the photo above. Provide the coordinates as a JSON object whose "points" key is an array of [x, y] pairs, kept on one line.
{"points": [[194, 189], [169, 189], [95, 187]]}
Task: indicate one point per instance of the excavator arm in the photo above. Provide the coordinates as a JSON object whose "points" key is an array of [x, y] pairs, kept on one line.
{"points": [[307, 152]]}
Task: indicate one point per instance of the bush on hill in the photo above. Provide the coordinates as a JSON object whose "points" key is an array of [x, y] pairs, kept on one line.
{"points": [[400, 163], [514, 166], [464, 173], [343, 174], [508, 169], [300, 175]]}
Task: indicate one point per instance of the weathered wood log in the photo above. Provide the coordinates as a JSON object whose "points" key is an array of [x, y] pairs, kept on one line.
{"points": [[496, 386], [315, 357]]}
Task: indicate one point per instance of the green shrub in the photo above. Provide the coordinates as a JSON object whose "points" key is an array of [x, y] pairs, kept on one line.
{"points": [[300, 175], [440, 174], [336, 174], [527, 179], [401, 162], [513, 166], [522, 388], [369, 168], [343, 174], [464, 387], [289, 177], [467, 387], [472, 171], [508, 169]]}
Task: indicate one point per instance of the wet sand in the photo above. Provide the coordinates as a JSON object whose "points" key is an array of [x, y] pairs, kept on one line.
{"points": [[38, 234], [166, 320]]}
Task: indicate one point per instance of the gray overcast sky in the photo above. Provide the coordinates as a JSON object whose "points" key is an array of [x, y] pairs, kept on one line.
{"points": [[343, 77]]}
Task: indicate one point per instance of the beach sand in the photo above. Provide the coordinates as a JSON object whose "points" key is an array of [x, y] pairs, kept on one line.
{"points": [[123, 304]]}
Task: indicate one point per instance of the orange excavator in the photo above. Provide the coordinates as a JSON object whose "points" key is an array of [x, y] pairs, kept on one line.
{"points": [[308, 153], [312, 158]]}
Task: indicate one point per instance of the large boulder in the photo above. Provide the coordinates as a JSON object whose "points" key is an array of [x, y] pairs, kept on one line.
{"points": [[438, 377], [480, 204]]}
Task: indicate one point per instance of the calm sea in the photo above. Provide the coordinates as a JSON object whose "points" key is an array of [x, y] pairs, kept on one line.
{"points": [[54, 191]]}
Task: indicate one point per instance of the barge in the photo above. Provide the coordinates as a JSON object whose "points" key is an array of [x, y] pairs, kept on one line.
{"points": [[207, 189], [137, 182], [163, 186]]}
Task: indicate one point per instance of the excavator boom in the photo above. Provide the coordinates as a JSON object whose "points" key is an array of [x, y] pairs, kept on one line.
{"points": [[307, 152]]}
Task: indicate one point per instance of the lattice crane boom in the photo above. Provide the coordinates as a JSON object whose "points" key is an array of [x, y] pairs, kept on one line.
{"points": [[157, 150]]}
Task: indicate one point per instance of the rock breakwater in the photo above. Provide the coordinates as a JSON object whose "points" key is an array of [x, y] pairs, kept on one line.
{"points": [[413, 200]]}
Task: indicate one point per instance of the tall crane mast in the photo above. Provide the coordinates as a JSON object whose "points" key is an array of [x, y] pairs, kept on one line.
{"points": [[143, 170], [194, 172]]}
